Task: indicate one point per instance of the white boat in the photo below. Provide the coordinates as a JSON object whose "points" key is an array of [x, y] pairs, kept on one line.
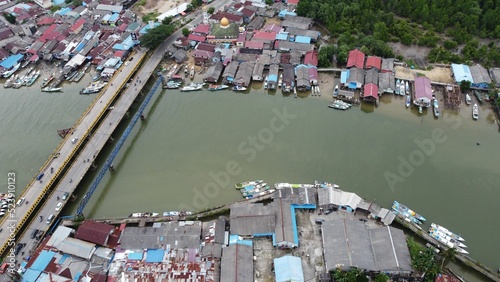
{"points": [[213, 87], [192, 87], [436, 233], [317, 90], [398, 86], [144, 214], [408, 101], [339, 105], [435, 107], [10, 72], [407, 86], [402, 89], [192, 72], [280, 81], [468, 99], [265, 83], [239, 88], [447, 232], [51, 89], [10, 81], [475, 112], [336, 91], [33, 78]]}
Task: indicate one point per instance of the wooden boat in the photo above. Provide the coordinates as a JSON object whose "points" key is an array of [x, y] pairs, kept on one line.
{"points": [[213, 87], [398, 86], [435, 107], [239, 88], [468, 100], [475, 112], [47, 80], [478, 96], [63, 132]]}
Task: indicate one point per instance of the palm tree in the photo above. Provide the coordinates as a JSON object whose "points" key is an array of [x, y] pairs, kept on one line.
{"points": [[447, 256]]}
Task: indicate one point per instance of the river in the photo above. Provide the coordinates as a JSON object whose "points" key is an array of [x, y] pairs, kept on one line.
{"points": [[193, 147]]}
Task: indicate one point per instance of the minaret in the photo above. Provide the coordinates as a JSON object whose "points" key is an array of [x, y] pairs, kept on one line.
{"points": [[205, 15]]}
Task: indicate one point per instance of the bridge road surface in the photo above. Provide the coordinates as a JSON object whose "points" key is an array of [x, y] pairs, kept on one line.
{"points": [[69, 182]]}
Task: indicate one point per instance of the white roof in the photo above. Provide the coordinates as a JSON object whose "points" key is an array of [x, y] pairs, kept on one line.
{"points": [[61, 233], [173, 12], [78, 248], [77, 60], [341, 198]]}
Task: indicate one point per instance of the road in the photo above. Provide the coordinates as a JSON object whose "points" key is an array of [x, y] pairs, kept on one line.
{"points": [[38, 190]]}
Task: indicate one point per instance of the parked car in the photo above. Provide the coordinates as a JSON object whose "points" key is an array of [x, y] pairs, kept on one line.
{"points": [[65, 196], [59, 206]]}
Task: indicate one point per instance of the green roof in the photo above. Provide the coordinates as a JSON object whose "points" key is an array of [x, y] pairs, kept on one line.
{"points": [[232, 31]]}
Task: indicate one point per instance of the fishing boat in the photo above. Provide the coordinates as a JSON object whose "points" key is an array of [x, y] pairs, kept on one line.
{"points": [[86, 67], [408, 101], [25, 63], [420, 109], [213, 87], [404, 210], [435, 107], [172, 85], [239, 88], [93, 87], [47, 80], [265, 83], [10, 72], [407, 88], [398, 86], [436, 233], [79, 76], [447, 232], [448, 243], [468, 100], [51, 89], [144, 214], [336, 91], [402, 88], [71, 75], [247, 183], [10, 81], [478, 96], [260, 194], [96, 77], [191, 74], [192, 87], [317, 90], [18, 83], [338, 105], [64, 132], [33, 78], [475, 112], [280, 81]]}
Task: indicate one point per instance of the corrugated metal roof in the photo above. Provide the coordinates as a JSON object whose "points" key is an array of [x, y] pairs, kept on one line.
{"points": [[288, 268], [461, 73]]}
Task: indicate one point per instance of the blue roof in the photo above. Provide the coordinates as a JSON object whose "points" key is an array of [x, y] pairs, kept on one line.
{"points": [[282, 36], [146, 28], [288, 268], [58, 2], [106, 18], [11, 61], [31, 275], [272, 77], [135, 256], [294, 226], [80, 46], [283, 13], [43, 260], [63, 11], [302, 39], [114, 17], [344, 75], [461, 73], [155, 255]]}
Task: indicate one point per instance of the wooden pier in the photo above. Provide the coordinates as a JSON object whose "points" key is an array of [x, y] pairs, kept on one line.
{"points": [[466, 260], [452, 96]]}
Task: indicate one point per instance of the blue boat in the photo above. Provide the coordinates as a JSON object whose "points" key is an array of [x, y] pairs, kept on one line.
{"points": [[406, 212]]}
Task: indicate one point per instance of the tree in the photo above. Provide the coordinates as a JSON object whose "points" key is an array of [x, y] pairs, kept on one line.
{"points": [[381, 277], [448, 255], [185, 31], [211, 10], [10, 18], [155, 36], [269, 2], [465, 85], [189, 8], [167, 20]]}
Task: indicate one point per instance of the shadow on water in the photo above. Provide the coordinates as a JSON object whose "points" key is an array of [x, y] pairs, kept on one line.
{"points": [[367, 107]]}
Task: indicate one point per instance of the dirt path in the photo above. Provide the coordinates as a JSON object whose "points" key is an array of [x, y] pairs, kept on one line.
{"points": [[438, 74], [157, 6]]}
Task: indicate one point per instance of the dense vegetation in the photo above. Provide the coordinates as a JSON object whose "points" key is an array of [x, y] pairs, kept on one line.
{"points": [[155, 36], [421, 22]]}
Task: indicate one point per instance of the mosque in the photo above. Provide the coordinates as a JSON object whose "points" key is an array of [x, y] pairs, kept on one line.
{"points": [[223, 32]]}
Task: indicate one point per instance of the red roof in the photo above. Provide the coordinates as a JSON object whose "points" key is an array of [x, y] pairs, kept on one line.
{"points": [[373, 62], [202, 28], [94, 232], [47, 33], [119, 54], [311, 58], [271, 35], [356, 59], [122, 27], [247, 12], [77, 24], [202, 54], [292, 2], [196, 37], [371, 90], [45, 21], [254, 44], [242, 36], [206, 47], [272, 27]]}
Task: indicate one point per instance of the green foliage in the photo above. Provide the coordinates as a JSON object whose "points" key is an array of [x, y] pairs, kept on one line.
{"points": [[211, 10], [448, 255], [150, 17], [185, 31], [155, 36], [55, 8], [353, 275], [167, 21], [10, 18], [141, 3], [189, 8], [325, 56], [196, 3], [381, 277], [269, 2], [465, 85]]}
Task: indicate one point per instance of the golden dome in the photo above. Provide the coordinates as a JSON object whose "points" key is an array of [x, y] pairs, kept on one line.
{"points": [[224, 22]]}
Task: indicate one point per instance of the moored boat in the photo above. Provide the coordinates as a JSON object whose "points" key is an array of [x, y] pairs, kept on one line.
{"points": [[468, 100], [407, 88], [247, 183], [33, 78], [402, 88], [10, 72], [191, 74], [192, 87], [239, 88], [172, 85], [79, 76], [10, 81], [144, 214], [478, 96], [405, 211], [398, 86], [435, 107], [213, 87], [475, 112], [408, 101], [447, 232], [51, 89], [47, 80], [265, 83], [280, 81], [436, 233], [336, 91]]}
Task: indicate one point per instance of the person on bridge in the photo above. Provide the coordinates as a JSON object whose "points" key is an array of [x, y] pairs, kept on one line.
{"points": [[58, 198], [71, 180]]}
